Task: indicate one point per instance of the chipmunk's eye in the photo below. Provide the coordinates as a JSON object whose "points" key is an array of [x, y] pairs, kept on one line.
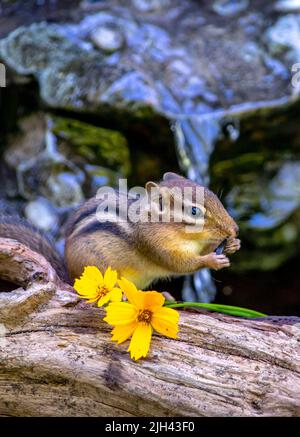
{"points": [[196, 212]]}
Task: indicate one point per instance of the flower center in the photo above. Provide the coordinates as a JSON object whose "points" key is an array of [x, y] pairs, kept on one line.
{"points": [[102, 291], [144, 316]]}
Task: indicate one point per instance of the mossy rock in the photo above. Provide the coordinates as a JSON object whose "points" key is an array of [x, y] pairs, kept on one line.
{"points": [[96, 145]]}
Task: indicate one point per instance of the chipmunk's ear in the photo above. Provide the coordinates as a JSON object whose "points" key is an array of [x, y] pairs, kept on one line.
{"points": [[154, 195], [150, 185], [170, 175]]}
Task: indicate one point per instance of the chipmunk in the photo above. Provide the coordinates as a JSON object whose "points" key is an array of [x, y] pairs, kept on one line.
{"points": [[142, 251]]}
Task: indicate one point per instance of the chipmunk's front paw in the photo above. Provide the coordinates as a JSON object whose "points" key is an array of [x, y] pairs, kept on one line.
{"points": [[217, 262], [232, 245]]}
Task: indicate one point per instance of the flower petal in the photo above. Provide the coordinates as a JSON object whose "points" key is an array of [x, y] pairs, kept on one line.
{"points": [[153, 300], [140, 342], [165, 321], [93, 273], [85, 287], [104, 299], [133, 295], [92, 300], [120, 313], [123, 332], [116, 295], [110, 278]]}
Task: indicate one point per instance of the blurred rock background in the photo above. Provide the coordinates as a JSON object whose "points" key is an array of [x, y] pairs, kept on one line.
{"points": [[98, 90]]}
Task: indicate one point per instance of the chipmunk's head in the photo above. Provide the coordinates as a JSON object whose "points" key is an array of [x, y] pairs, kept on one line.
{"points": [[194, 210]]}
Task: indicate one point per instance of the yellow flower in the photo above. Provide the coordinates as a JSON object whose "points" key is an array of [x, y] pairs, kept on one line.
{"points": [[93, 286], [142, 313]]}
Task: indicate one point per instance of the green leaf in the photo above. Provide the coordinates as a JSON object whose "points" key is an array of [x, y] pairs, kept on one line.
{"points": [[224, 309]]}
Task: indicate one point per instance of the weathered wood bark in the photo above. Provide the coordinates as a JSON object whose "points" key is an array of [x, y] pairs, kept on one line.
{"points": [[56, 357]]}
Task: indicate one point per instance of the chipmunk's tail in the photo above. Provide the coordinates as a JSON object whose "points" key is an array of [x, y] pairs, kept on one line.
{"points": [[27, 234]]}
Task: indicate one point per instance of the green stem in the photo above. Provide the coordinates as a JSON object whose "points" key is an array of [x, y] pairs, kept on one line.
{"points": [[225, 309]]}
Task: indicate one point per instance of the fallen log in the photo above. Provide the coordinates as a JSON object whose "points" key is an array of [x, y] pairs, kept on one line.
{"points": [[57, 359]]}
